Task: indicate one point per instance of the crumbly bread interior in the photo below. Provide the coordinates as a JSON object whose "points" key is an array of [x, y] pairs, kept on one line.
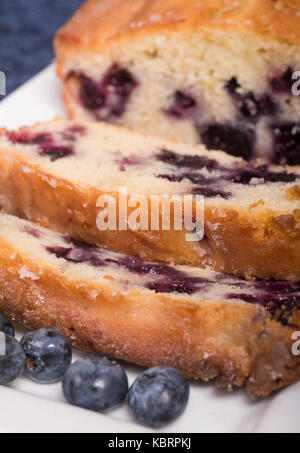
{"points": [[45, 252], [199, 63], [105, 157], [208, 325]]}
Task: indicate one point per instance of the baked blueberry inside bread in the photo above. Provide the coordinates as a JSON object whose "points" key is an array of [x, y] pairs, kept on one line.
{"points": [[54, 174], [219, 72], [206, 324]]}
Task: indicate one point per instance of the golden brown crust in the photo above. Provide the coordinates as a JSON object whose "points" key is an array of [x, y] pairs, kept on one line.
{"points": [[260, 243], [99, 22], [233, 343]]}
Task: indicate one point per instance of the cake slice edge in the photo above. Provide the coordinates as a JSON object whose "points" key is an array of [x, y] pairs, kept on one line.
{"points": [[231, 342]]}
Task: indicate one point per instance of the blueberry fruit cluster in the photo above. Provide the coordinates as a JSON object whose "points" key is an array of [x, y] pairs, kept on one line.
{"points": [[158, 396]]}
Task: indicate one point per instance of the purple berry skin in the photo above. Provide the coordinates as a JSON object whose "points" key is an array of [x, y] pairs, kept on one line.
{"points": [[158, 396], [12, 363], [6, 326], [48, 355], [97, 383]]}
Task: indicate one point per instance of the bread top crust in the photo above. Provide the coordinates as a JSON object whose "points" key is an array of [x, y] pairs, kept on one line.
{"points": [[99, 22]]}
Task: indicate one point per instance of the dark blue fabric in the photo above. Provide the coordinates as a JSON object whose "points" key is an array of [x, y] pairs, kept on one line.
{"points": [[27, 28]]}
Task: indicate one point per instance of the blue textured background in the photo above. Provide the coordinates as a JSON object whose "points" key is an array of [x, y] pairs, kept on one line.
{"points": [[27, 28]]}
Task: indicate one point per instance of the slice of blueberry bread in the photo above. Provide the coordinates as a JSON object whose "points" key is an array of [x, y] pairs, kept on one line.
{"points": [[218, 72], [54, 174], [208, 325]]}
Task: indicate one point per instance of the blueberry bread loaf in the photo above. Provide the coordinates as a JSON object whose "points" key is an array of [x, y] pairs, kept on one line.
{"points": [[208, 325], [54, 174], [218, 72]]}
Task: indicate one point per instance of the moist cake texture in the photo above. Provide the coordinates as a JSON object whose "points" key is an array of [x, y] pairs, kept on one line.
{"points": [[54, 174], [219, 72], [206, 324]]}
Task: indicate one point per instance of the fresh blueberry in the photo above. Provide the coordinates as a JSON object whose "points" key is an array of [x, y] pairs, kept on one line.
{"points": [[158, 396], [12, 359], [6, 326], [48, 355], [96, 383], [232, 140]]}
